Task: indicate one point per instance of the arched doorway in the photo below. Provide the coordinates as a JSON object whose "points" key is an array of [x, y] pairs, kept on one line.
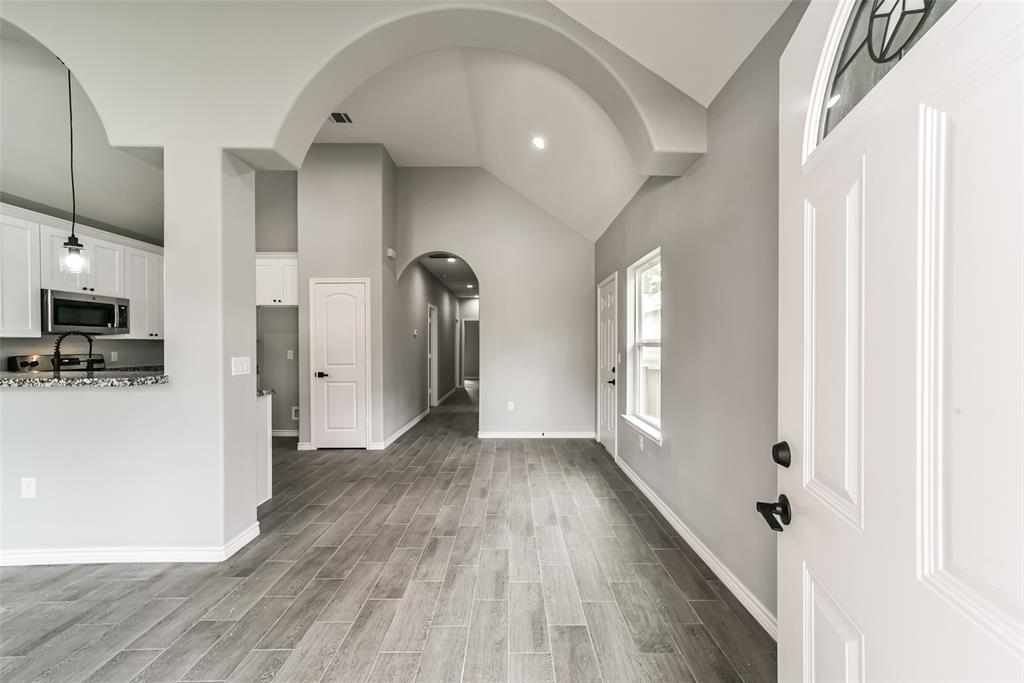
{"points": [[448, 288]]}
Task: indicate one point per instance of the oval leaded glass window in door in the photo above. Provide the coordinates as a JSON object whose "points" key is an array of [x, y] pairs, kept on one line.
{"points": [[878, 34]]}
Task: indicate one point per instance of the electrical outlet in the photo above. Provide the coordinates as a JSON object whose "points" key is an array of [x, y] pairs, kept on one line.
{"points": [[241, 365], [640, 440], [289, 354], [511, 406], [295, 412], [28, 487], [113, 355]]}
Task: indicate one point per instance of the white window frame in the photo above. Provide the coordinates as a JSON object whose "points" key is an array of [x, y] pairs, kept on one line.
{"points": [[643, 424]]}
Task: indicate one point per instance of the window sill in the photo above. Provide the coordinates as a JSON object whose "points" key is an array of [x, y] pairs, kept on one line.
{"points": [[644, 428]]}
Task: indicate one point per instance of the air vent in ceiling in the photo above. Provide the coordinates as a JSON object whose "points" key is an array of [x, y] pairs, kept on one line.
{"points": [[341, 117]]}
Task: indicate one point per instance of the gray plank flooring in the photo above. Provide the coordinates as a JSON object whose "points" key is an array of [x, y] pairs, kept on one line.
{"points": [[442, 558]]}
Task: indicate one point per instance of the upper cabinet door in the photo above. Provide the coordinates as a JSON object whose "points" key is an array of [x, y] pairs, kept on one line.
{"points": [[19, 278], [137, 291], [156, 295], [268, 282], [106, 267], [290, 283], [51, 277]]}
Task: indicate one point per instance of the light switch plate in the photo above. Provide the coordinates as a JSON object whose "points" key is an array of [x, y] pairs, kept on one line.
{"points": [[511, 406], [241, 365], [290, 354], [295, 412], [28, 487]]}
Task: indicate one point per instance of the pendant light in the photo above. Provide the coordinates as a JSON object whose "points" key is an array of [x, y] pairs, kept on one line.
{"points": [[74, 261]]}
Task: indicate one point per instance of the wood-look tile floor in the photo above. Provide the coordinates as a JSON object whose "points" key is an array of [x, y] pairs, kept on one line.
{"points": [[443, 558]]}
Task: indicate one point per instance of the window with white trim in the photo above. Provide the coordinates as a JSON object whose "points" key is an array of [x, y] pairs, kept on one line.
{"points": [[643, 374]]}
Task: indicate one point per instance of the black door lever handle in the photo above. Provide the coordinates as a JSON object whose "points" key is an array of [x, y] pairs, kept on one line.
{"points": [[611, 381], [781, 509], [322, 374]]}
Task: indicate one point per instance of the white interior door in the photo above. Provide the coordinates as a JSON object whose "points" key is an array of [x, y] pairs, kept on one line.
{"points": [[901, 367], [431, 355], [607, 357], [340, 383]]}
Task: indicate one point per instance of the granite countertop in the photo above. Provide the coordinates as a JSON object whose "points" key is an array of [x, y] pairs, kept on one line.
{"points": [[113, 377], [260, 393]]}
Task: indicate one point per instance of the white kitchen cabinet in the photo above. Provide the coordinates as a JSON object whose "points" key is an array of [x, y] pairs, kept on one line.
{"points": [[19, 278], [144, 289], [105, 275], [106, 267], [277, 279]]}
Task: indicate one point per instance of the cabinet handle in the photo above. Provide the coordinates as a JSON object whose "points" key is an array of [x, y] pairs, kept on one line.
{"points": [[92, 289]]}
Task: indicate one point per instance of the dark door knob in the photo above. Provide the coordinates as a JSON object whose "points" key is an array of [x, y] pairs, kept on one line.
{"points": [[322, 374], [781, 509], [781, 454], [611, 381]]}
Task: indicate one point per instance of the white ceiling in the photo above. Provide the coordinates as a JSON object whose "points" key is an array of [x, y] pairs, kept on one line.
{"points": [[455, 276], [116, 189], [696, 45], [472, 107]]}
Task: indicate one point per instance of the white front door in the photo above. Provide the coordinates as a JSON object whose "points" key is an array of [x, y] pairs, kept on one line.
{"points": [[607, 357], [901, 351], [340, 363]]}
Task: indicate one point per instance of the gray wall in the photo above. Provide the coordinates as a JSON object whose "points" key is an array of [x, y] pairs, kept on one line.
{"points": [[405, 367], [340, 208], [277, 211], [541, 357], [471, 349], [277, 332], [718, 232]]}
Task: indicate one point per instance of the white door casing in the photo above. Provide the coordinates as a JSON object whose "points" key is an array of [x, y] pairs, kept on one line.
{"points": [[901, 371], [607, 358], [339, 348]]}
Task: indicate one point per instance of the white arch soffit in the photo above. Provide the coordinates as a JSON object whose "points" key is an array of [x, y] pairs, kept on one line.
{"points": [[664, 129]]}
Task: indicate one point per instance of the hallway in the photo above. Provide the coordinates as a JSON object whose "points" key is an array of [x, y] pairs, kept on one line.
{"points": [[443, 558]]}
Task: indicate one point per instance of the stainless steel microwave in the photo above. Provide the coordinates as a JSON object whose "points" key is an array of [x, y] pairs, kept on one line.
{"points": [[71, 311]]}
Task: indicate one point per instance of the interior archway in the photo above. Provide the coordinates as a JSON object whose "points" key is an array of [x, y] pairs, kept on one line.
{"points": [[664, 129]]}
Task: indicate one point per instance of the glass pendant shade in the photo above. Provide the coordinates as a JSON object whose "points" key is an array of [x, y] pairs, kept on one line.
{"points": [[74, 261]]}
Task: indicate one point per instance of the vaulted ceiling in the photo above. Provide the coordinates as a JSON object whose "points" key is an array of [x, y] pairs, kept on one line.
{"points": [[696, 45], [471, 107]]}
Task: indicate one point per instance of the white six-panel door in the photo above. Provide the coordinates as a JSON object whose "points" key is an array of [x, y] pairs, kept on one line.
{"points": [[901, 351], [607, 356], [339, 322]]}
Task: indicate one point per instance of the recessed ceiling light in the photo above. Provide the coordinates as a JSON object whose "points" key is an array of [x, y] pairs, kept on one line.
{"points": [[832, 101], [451, 259], [539, 142], [469, 286]]}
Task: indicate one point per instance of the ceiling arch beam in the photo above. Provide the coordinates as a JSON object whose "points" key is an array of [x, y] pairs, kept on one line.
{"points": [[664, 129]]}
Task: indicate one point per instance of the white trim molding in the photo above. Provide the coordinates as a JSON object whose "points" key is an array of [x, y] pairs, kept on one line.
{"points": [[379, 446], [305, 446], [284, 432], [535, 435], [445, 397], [17, 558], [756, 608]]}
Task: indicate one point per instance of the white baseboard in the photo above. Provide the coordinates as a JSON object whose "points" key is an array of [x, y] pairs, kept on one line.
{"points": [[446, 396], [284, 432], [394, 437], [535, 435], [15, 558], [305, 446], [756, 608]]}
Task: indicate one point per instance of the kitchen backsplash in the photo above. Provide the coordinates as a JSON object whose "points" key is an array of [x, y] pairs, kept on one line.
{"points": [[129, 351]]}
